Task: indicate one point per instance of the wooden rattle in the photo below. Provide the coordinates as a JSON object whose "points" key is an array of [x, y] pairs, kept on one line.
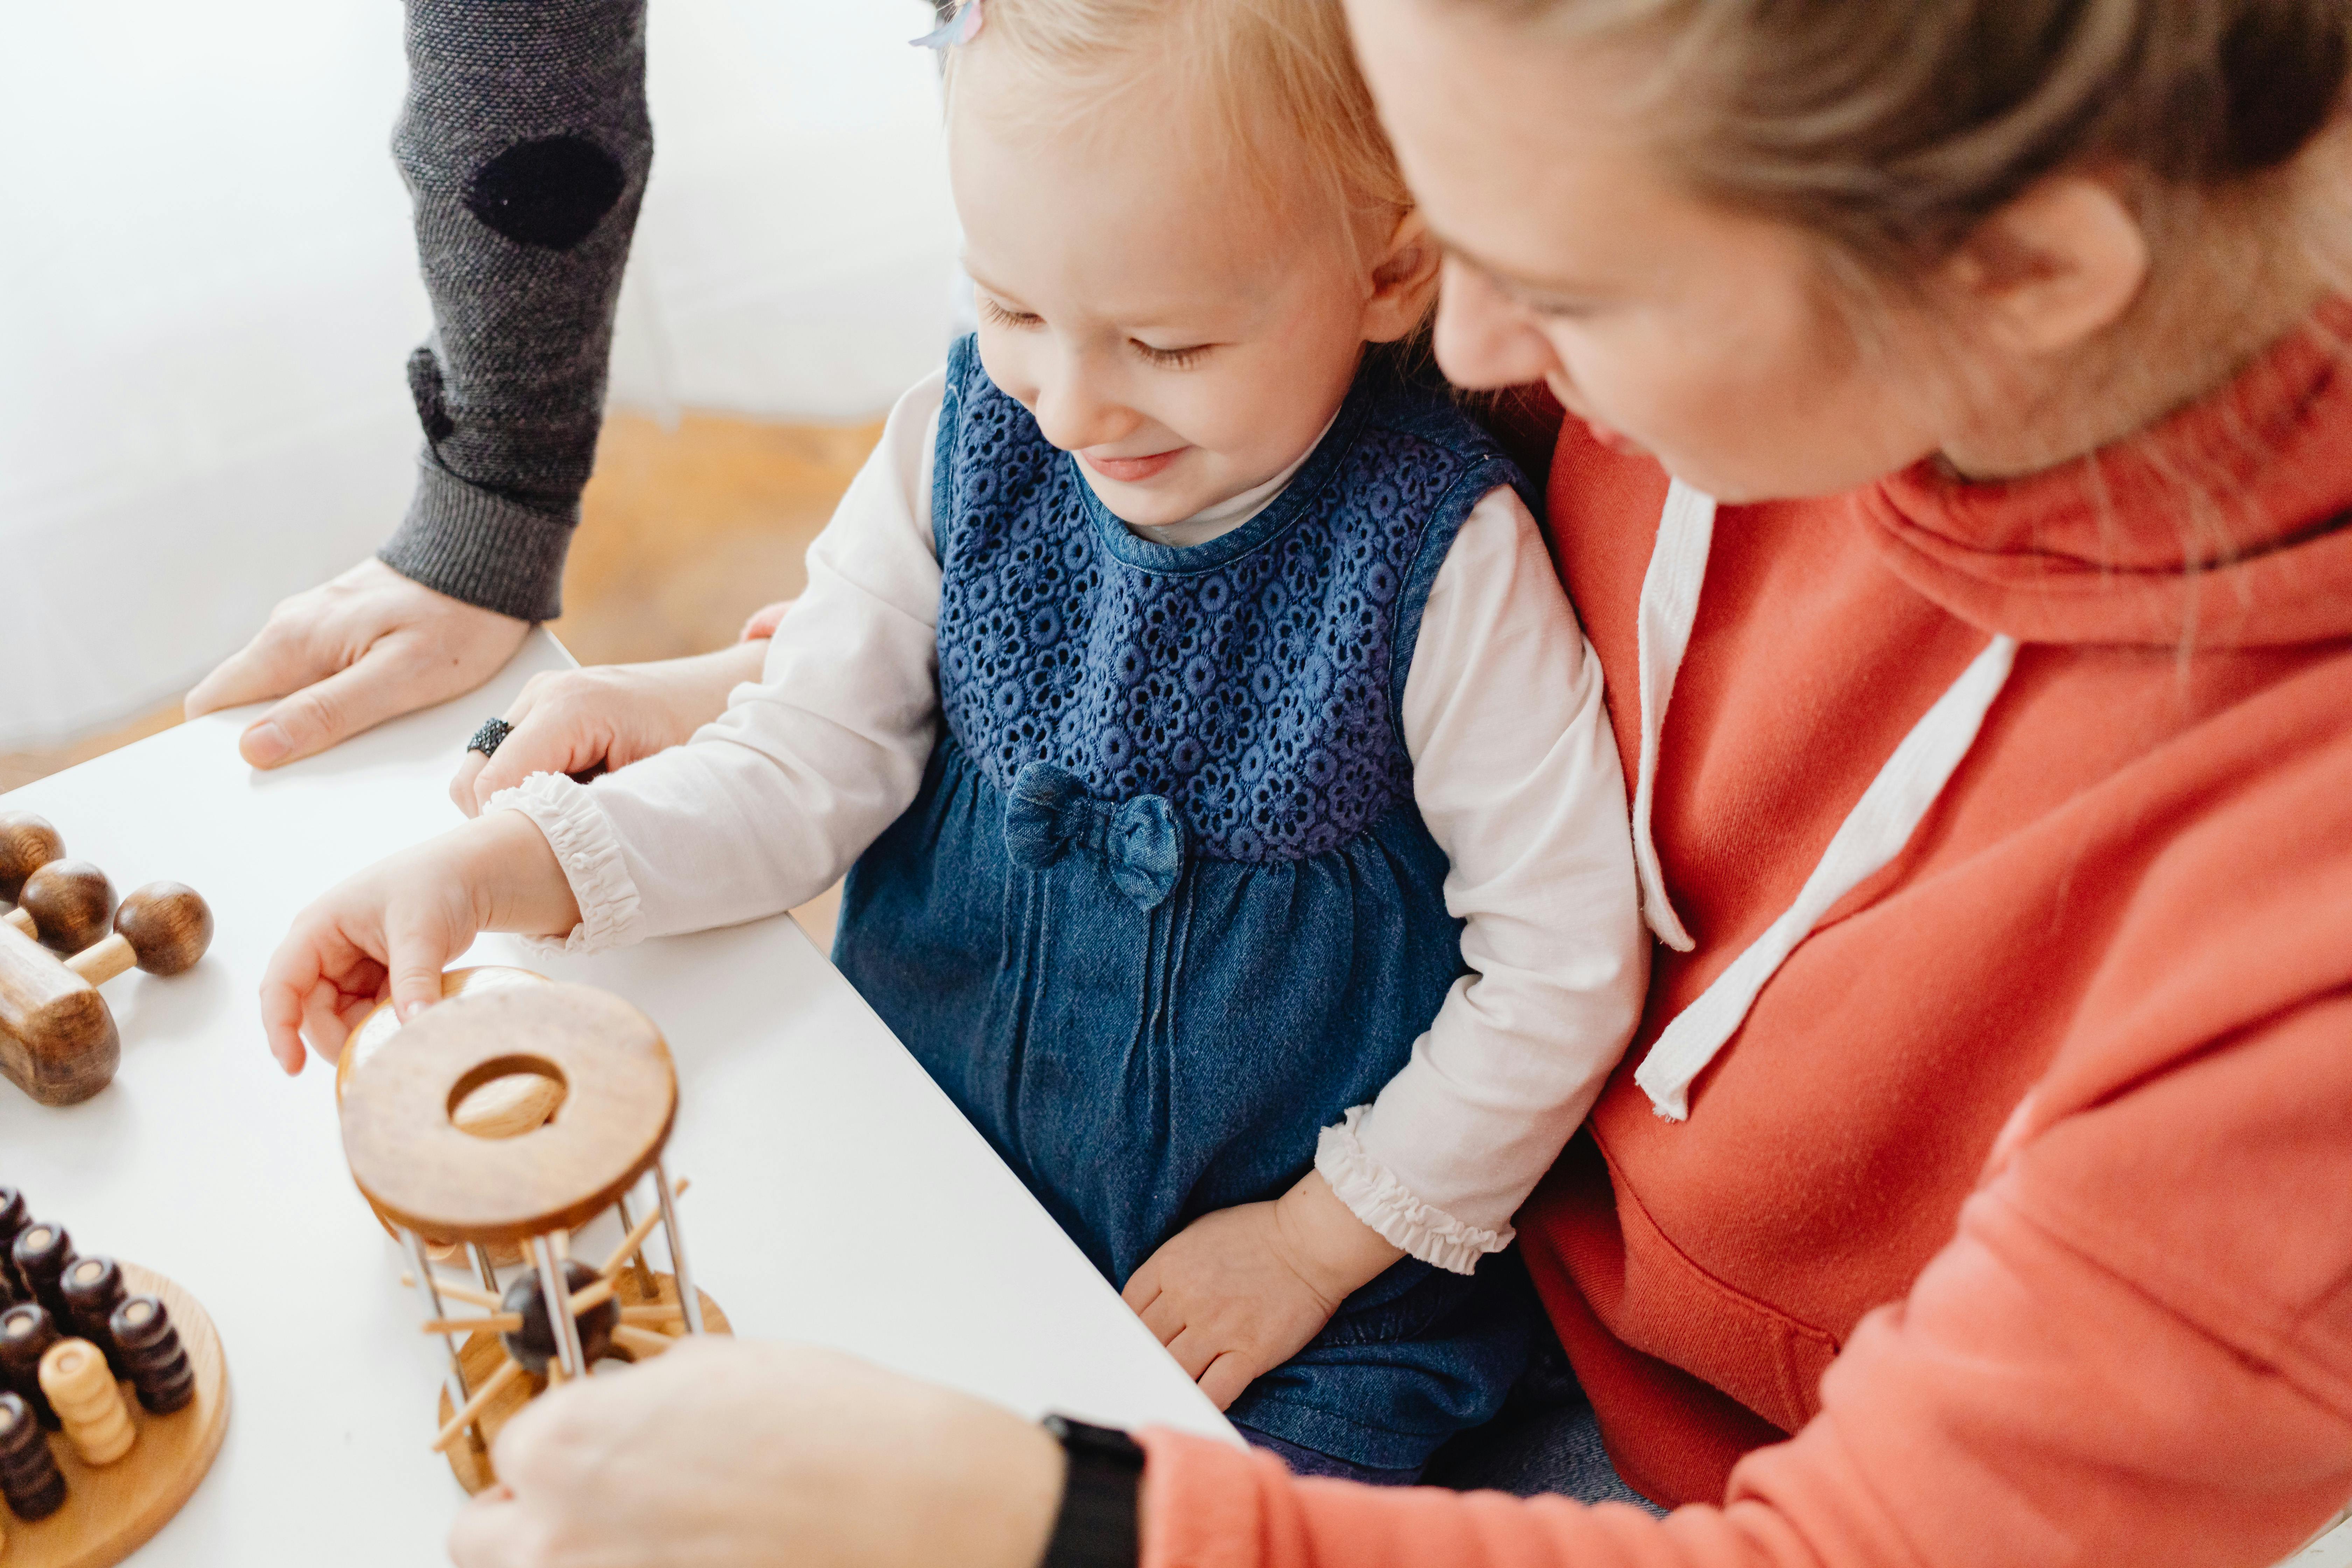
{"points": [[119, 1468], [428, 1174], [57, 1039]]}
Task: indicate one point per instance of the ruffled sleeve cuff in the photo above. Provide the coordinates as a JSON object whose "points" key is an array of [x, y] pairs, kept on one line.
{"points": [[1373, 1194], [590, 853]]}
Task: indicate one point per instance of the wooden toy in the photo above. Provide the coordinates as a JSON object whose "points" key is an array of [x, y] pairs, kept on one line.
{"points": [[57, 1039], [616, 1094], [88, 1472]]}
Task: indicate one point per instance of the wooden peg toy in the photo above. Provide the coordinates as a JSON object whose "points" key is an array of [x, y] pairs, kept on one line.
{"points": [[123, 1468], [30, 1482], [27, 843], [428, 1173], [41, 1254], [75, 1377], [57, 1039]]}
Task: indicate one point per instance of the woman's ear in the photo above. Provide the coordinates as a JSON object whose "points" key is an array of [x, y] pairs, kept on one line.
{"points": [[1403, 282], [2052, 269]]}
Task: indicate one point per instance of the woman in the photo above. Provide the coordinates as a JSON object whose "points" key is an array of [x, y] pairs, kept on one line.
{"points": [[1979, 1192]]}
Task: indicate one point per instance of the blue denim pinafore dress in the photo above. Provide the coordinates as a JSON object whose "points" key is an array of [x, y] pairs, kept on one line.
{"points": [[1164, 908]]}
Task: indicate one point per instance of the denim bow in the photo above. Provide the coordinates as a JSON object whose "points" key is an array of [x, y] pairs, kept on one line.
{"points": [[1142, 841]]}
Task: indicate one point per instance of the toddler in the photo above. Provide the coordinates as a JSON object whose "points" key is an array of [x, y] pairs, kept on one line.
{"points": [[1233, 823]]}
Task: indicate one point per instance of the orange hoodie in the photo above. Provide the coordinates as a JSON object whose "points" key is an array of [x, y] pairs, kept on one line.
{"points": [[2024, 1196]]}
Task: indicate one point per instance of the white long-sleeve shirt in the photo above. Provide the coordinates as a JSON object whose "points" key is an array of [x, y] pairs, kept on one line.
{"points": [[1515, 772]]}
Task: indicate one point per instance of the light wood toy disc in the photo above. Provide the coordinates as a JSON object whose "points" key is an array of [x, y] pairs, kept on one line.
{"points": [[111, 1511], [482, 1354]]}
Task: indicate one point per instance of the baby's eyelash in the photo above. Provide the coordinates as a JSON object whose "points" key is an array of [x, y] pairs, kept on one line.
{"points": [[992, 312], [1172, 359]]}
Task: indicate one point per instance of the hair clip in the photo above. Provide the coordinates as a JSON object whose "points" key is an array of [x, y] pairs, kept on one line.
{"points": [[960, 28]]}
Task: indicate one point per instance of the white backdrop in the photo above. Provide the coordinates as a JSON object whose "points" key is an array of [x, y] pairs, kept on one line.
{"points": [[207, 289]]}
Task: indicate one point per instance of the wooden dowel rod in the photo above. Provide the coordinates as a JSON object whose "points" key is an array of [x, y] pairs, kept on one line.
{"points": [[103, 960], [591, 1296], [23, 920], [641, 1341], [648, 1312], [464, 1293], [629, 1244], [497, 1323], [474, 1407]]}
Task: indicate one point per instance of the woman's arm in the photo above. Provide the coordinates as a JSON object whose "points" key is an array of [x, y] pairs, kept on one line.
{"points": [[768, 805]]}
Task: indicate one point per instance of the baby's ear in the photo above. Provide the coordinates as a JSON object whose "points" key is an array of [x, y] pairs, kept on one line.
{"points": [[1403, 282]]}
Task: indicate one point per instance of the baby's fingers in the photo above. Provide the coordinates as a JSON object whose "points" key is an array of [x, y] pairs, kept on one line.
{"points": [[417, 950], [1227, 1377]]}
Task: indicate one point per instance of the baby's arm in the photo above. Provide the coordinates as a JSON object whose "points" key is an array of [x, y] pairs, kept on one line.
{"points": [[1516, 773], [766, 808]]}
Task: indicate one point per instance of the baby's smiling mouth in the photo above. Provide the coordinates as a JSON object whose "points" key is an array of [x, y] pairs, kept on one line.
{"points": [[1132, 471]]}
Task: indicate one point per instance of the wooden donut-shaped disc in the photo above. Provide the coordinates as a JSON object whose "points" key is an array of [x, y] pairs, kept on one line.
{"points": [[111, 1510], [429, 1176], [501, 1108]]}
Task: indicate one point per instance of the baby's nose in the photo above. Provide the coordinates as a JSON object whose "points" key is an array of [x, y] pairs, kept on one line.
{"points": [[1074, 415]]}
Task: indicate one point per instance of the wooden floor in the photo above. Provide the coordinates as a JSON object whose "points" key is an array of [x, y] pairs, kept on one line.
{"points": [[684, 533]]}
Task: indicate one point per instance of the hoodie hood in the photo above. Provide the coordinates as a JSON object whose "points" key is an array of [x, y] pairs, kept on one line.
{"points": [[2228, 524]]}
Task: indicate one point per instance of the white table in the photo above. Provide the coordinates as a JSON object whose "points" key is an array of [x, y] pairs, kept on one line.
{"points": [[837, 1196]]}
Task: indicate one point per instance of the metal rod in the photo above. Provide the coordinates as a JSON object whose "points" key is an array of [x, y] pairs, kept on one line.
{"points": [[645, 1275], [482, 1266], [552, 1283], [422, 1267], [688, 1298]]}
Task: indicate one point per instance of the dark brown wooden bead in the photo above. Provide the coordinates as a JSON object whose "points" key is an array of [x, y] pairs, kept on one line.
{"points": [[92, 1287], [25, 1335], [533, 1346], [13, 1217], [153, 1357], [71, 902], [30, 1481], [168, 926], [42, 1252], [26, 844]]}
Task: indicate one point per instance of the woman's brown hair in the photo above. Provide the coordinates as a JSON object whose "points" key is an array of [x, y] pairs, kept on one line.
{"points": [[1894, 129]]}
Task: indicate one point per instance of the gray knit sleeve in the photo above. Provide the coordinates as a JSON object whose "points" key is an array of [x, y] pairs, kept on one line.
{"points": [[525, 144]]}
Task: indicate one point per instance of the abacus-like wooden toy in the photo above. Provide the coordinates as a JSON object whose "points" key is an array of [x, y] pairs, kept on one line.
{"points": [[57, 1039], [479, 1190], [113, 1398]]}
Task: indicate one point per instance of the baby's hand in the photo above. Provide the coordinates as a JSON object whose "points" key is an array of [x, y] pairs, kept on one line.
{"points": [[1238, 1292], [389, 930]]}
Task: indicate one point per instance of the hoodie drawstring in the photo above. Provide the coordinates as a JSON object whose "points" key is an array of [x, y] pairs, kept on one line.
{"points": [[1873, 833]]}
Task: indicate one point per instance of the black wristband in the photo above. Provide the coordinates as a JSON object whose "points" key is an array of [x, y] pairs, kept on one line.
{"points": [[1096, 1527]]}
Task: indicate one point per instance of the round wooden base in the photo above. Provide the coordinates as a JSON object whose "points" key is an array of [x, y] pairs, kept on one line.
{"points": [[111, 1511], [482, 1354]]}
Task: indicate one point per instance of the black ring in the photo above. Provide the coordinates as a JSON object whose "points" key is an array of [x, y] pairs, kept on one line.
{"points": [[490, 737]]}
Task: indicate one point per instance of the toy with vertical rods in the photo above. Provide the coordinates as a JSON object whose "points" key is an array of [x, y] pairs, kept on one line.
{"points": [[430, 1178]]}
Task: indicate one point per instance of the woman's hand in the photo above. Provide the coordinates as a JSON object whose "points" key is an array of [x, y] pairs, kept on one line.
{"points": [[728, 1452], [392, 929], [1238, 1292], [607, 716], [369, 646]]}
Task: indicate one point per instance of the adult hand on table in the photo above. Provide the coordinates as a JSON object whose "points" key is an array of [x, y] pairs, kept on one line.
{"points": [[366, 646], [610, 715], [729, 1452]]}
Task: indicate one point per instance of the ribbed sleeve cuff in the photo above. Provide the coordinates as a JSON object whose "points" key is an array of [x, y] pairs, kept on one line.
{"points": [[1373, 1194], [589, 852], [471, 544]]}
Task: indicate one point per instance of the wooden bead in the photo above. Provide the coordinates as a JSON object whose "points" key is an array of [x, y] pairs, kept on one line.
{"points": [[26, 1332], [533, 1346], [13, 1217], [92, 1287], [26, 844], [71, 900], [42, 1252], [153, 1357], [30, 1482], [98, 1424], [168, 926]]}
